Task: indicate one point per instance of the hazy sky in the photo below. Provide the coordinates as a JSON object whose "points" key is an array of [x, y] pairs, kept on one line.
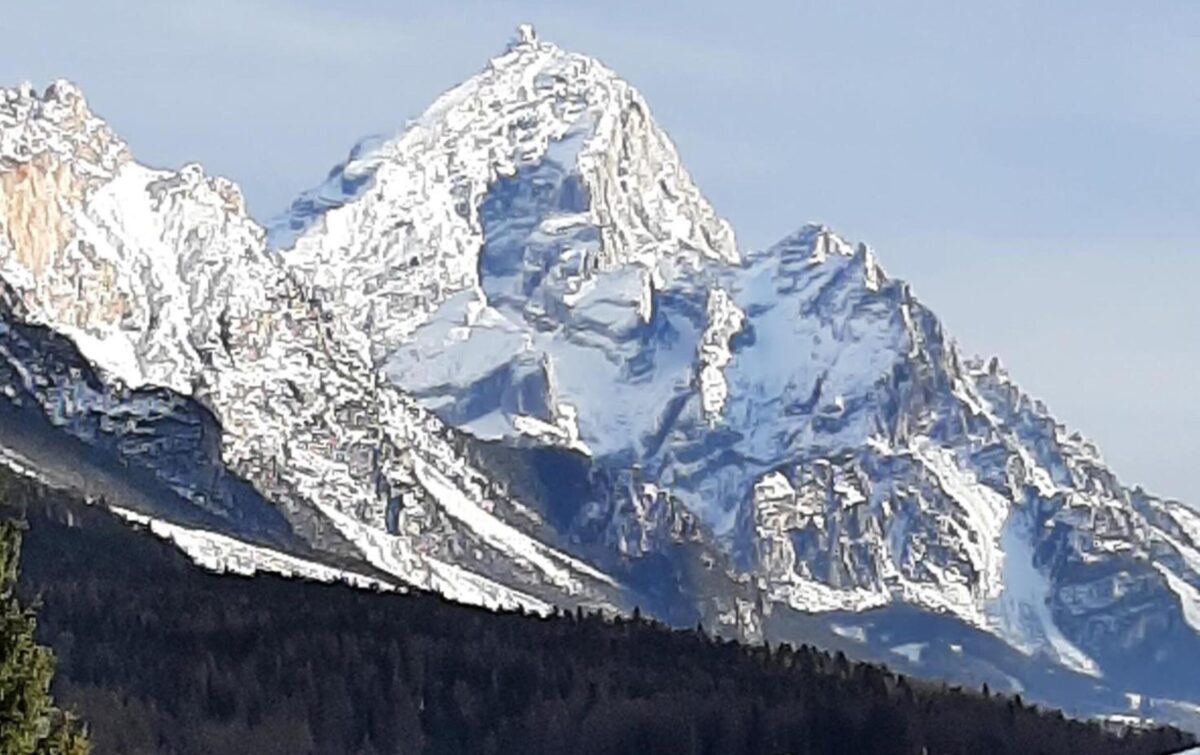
{"points": [[1033, 171]]}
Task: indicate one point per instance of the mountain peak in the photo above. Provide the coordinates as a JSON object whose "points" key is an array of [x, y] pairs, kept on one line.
{"points": [[557, 133], [59, 91], [815, 241], [58, 124], [526, 35], [534, 103], [529, 263], [64, 91]]}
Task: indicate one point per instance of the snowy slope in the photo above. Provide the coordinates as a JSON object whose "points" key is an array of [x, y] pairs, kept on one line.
{"points": [[511, 354], [207, 312]]}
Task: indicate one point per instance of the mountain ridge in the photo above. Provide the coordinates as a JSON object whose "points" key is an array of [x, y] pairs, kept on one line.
{"points": [[525, 291]]}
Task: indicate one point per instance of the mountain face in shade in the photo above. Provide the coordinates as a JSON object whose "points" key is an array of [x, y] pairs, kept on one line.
{"points": [[511, 354]]}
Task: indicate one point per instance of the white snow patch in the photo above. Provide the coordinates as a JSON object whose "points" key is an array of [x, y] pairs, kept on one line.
{"points": [[817, 597], [1188, 521], [504, 537], [223, 554], [394, 556], [984, 508], [911, 651], [1022, 615], [1189, 597], [856, 633], [724, 320]]}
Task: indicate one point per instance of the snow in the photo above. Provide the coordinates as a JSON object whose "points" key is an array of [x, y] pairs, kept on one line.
{"points": [[1188, 520], [555, 566], [856, 633], [393, 556], [510, 116], [221, 553], [985, 511], [1189, 596], [530, 263], [1188, 554], [724, 320], [801, 350], [301, 411], [19, 464], [911, 651], [1022, 612], [811, 596]]}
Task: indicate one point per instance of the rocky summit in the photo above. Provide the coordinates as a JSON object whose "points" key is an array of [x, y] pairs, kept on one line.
{"points": [[512, 355]]}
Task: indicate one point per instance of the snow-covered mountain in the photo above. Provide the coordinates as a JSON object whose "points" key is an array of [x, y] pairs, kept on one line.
{"points": [[513, 355]]}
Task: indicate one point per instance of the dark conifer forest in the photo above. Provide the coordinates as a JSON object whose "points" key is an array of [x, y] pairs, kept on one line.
{"points": [[30, 722], [160, 657]]}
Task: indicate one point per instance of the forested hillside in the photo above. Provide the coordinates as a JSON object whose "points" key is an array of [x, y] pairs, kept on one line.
{"points": [[161, 657]]}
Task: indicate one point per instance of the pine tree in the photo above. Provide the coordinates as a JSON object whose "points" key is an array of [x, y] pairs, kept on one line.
{"points": [[29, 722]]}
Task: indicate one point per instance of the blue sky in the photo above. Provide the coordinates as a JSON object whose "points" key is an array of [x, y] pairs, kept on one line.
{"points": [[1033, 169]]}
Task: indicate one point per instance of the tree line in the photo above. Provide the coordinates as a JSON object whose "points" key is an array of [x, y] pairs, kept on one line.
{"points": [[161, 657]]}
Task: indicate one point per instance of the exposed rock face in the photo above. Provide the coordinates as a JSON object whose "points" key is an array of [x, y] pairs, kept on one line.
{"points": [[299, 411], [53, 152], [513, 355]]}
